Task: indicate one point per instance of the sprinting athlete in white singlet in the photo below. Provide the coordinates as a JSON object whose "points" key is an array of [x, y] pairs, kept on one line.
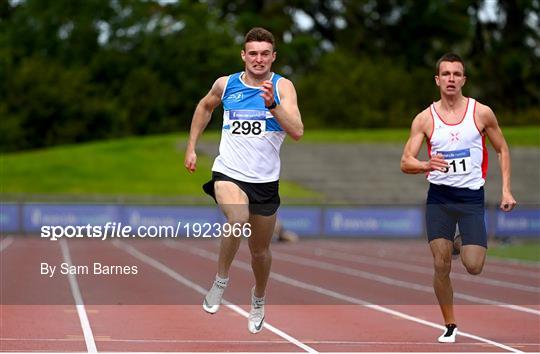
{"points": [[455, 128], [252, 137], [260, 109]]}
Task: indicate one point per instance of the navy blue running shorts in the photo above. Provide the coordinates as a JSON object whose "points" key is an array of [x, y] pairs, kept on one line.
{"points": [[447, 206], [263, 197]]}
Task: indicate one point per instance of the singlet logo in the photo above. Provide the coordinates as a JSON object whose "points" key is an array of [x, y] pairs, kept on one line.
{"points": [[235, 97], [454, 136]]}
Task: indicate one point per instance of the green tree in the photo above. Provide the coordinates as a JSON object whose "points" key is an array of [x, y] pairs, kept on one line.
{"points": [[370, 93]]}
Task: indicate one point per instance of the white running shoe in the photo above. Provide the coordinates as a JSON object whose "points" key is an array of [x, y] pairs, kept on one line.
{"points": [[449, 335], [212, 300], [256, 314]]}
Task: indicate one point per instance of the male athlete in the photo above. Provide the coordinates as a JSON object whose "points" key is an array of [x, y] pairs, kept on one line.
{"points": [[455, 128], [260, 109]]}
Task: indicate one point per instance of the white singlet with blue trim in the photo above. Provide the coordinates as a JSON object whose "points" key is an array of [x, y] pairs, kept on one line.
{"points": [[463, 148], [251, 137]]}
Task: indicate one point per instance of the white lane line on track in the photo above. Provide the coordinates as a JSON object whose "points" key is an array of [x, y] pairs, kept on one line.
{"points": [[529, 272], [279, 341], [374, 261], [182, 280], [5, 243], [131, 340], [81, 311], [393, 282], [300, 284]]}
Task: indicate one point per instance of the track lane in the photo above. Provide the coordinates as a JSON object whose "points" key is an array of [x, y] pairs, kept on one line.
{"points": [[310, 324], [331, 326], [420, 278], [151, 312], [506, 282], [302, 284], [37, 312], [417, 252]]}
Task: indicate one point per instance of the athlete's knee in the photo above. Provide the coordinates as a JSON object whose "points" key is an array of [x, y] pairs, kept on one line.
{"points": [[473, 258], [474, 268], [261, 255], [237, 217], [442, 266]]}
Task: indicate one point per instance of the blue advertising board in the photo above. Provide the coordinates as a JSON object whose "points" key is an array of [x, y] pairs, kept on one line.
{"points": [[9, 218], [305, 221], [369, 221], [519, 222], [182, 219], [37, 215], [374, 222]]}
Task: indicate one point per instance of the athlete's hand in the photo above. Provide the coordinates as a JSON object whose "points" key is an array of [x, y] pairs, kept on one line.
{"points": [[507, 202], [437, 163], [267, 92], [190, 161]]}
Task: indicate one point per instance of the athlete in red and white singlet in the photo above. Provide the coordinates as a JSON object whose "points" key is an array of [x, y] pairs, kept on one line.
{"points": [[463, 148]]}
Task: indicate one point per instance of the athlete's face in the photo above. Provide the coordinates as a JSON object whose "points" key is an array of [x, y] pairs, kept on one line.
{"points": [[451, 78], [258, 57]]}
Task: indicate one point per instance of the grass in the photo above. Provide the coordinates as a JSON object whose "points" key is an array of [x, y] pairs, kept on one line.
{"points": [[357, 136], [515, 136], [522, 136], [527, 251], [151, 165]]}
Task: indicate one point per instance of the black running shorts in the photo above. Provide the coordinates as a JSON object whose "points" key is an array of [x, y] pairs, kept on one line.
{"points": [[263, 197], [447, 206]]}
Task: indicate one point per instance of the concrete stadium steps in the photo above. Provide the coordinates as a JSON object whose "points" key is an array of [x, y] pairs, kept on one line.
{"points": [[370, 173]]}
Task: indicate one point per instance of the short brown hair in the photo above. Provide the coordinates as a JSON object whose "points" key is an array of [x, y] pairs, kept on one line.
{"points": [[450, 57], [259, 34]]}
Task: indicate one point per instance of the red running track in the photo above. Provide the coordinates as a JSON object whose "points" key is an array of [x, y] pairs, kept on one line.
{"points": [[323, 296]]}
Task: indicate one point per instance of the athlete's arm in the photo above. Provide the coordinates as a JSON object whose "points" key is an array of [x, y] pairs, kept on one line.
{"points": [[420, 127], [201, 117], [287, 112], [491, 128]]}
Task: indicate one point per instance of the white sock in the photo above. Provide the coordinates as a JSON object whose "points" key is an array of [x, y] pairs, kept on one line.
{"points": [[221, 282], [255, 299]]}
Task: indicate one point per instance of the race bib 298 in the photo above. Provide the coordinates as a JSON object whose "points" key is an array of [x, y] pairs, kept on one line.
{"points": [[249, 123]]}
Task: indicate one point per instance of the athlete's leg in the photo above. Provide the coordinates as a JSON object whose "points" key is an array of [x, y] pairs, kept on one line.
{"points": [[262, 228], [233, 201], [234, 204], [441, 249]]}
